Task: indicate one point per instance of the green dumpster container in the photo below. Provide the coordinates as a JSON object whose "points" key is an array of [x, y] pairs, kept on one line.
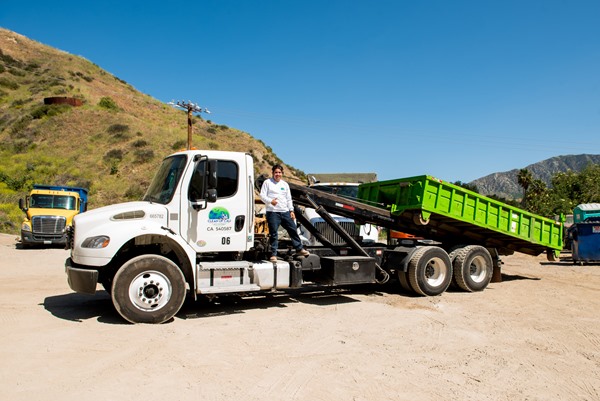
{"points": [[441, 211]]}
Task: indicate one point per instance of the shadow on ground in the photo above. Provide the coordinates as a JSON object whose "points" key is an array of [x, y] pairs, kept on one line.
{"points": [[233, 304], [513, 277], [79, 307]]}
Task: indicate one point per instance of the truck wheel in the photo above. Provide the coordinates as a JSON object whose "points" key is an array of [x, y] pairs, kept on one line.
{"points": [[403, 280], [148, 289], [473, 268], [429, 271]]}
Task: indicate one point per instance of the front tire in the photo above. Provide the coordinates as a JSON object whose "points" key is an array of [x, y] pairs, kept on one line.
{"points": [[148, 289], [429, 271]]}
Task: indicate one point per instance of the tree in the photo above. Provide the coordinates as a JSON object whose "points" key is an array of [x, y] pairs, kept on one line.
{"points": [[524, 178], [568, 190], [590, 184], [537, 198]]}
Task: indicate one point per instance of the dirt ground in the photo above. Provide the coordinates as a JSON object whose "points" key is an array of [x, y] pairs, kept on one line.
{"points": [[534, 336]]}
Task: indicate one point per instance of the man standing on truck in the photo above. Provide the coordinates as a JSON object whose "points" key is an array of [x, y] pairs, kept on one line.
{"points": [[276, 195]]}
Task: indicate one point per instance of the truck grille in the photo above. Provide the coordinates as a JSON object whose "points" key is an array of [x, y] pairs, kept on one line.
{"points": [[53, 225], [333, 237]]}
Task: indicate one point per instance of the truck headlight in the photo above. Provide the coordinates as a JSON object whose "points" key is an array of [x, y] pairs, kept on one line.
{"points": [[26, 227], [101, 241]]}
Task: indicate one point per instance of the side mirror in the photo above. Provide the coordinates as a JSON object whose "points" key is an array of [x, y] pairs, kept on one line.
{"points": [[22, 205]]}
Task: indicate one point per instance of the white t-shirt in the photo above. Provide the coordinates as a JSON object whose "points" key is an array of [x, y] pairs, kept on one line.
{"points": [[276, 190]]}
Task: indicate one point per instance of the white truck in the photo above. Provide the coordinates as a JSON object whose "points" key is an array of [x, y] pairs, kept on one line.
{"points": [[194, 232], [364, 233]]}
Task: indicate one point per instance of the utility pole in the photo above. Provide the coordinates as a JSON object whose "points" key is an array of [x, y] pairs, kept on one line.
{"points": [[191, 108]]}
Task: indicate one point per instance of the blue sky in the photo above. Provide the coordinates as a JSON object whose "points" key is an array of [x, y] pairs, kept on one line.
{"points": [[455, 89]]}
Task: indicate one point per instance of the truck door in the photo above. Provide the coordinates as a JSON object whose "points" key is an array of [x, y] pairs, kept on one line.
{"points": [[220, 224]]}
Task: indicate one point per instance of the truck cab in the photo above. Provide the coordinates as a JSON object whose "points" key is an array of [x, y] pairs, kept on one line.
{"points": [[49, 209]]}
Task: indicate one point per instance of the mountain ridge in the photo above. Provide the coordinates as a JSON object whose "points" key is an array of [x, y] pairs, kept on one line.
{"points": [[505, 184]]}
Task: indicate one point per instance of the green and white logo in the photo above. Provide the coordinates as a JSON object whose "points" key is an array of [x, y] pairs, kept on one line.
{"points": [[219, 216]]}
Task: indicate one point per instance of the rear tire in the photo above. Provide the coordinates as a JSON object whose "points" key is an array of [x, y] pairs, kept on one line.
{"points": [[148, 289], [473, 268], [429, 271], [403, 280]]}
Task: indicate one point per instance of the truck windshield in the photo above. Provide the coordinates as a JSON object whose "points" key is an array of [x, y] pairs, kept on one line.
{"points": [[42, 201], [165, 181], [347, 191]]}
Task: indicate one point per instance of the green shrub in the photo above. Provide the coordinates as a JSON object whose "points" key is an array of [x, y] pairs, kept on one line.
{"points": [[8, 60], [16, 72], [134, 192], [114, 168], [108, 103], [86, 78], [113, 155], [140, 143], [49, 110], [143, 155], [20, 102], [14, 183], [8, 83], [22, 145], [10, 217], [181, 144], [20, 126], [32, 66], [117, 128]]}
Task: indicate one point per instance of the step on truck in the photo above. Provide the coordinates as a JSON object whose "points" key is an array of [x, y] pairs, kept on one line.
{"points": [[49, 210], [194, 232]]}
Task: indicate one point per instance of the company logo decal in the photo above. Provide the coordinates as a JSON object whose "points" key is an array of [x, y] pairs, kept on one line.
{"points": [[219, 216]]}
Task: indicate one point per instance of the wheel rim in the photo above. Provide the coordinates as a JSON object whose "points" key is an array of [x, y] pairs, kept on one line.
{"points": [[435, 272], [477, 269], [150, 291]]}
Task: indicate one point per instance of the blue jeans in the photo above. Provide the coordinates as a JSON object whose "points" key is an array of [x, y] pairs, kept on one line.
{"points": [[276, 219]]}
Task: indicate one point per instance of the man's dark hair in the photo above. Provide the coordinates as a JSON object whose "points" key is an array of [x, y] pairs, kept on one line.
{"points": [[275, 167]]}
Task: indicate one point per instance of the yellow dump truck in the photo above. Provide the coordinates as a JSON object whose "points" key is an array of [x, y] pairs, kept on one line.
{"points": [[49, 209]]}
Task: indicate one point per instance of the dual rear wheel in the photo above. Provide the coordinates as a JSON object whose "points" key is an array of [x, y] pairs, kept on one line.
{"points": [[431, 270]]}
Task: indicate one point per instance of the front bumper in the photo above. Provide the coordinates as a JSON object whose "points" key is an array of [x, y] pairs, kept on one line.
{"points": [[29, 238], [81, 280]]}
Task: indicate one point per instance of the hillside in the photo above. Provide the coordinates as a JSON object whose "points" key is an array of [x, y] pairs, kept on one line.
{"points": [[110, 144], [505, 184]]}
